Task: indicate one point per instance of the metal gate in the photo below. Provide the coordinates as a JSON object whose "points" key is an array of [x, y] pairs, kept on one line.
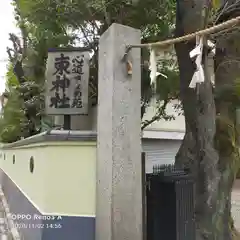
{"points": [[170, 204]]}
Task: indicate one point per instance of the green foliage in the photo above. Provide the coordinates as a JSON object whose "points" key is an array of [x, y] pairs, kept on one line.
{"points": [[216, 4], [11, 78], [12, 119], [48, 24]]}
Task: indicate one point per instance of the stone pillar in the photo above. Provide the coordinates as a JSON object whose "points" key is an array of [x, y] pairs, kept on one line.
{"points": [[119, 185]]}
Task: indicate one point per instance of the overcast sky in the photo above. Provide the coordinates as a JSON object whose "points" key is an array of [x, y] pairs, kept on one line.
{"points": [[7, 25]]}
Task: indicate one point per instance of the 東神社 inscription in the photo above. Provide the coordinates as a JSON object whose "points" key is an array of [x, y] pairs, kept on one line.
{"points": [[67, 77]]}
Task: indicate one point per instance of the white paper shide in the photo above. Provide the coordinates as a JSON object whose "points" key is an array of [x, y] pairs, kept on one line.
{"points": [[153, 68], [197, 52], [198, 76]]}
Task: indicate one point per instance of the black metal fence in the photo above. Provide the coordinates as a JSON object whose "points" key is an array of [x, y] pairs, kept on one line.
{"points": [[170, 204]]}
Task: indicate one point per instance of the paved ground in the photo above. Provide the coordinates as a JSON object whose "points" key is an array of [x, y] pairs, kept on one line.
{"points": [[7, 228], [236, 209], [5, 233], [236, 204]]}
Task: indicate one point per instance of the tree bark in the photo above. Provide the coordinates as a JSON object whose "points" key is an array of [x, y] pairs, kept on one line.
{"points": [[227, 72], [209, 145]]}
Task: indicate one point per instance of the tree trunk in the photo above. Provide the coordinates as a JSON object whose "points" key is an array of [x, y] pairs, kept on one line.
{"points": [[227, 72], [211, 155]]}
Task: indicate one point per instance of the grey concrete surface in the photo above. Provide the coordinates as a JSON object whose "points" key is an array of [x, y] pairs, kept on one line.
{"points": [[236, 207], [119, 188], [5, 232]]}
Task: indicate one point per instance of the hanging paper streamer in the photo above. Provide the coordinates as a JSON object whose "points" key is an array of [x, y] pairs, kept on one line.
{"points": [[198, 76], [153, 68], [212, 46], [212, 53]]}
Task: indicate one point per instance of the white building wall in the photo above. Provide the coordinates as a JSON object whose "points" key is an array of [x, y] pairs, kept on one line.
{"points": [[161, 129], [177, 125]]}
